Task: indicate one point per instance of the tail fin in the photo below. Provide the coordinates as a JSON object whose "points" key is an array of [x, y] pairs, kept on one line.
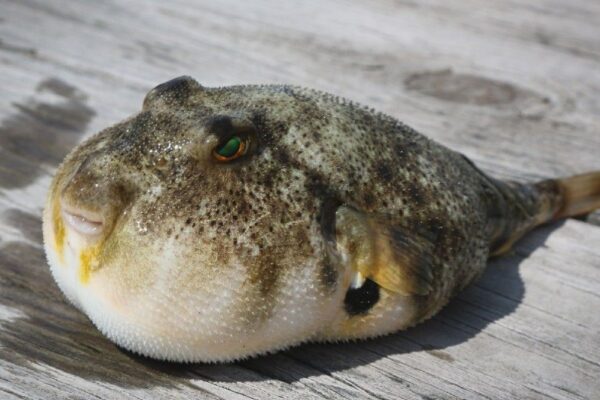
{"points": [[525, 206], [580, 195]]}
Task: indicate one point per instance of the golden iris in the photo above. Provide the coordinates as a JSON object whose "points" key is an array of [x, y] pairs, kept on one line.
{"points": [[232, 149]]}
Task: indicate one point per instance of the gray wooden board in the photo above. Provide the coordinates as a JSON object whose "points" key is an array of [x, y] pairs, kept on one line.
{"points": [[515, 85]]}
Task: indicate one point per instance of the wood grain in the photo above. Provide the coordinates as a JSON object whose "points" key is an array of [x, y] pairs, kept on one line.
{"points": [[514, 85]]}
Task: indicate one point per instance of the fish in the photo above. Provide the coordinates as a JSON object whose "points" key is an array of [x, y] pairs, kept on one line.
{"points": [[222, 223]]}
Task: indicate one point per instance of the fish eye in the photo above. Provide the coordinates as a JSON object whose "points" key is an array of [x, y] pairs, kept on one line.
{"points": [[234, 147]]}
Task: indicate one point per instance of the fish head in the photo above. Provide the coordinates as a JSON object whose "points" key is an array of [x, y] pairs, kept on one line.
{"points": [[201, 229]]}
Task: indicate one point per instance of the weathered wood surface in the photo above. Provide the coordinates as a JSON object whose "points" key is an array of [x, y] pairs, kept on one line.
{"points": [[515, 85]]}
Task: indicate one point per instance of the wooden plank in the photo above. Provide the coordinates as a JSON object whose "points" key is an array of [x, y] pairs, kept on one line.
{"points": [[514, 85]]}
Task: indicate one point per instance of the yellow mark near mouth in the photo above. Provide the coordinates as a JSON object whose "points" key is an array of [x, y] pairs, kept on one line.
{"points": [[59, 232], [88, 260]]}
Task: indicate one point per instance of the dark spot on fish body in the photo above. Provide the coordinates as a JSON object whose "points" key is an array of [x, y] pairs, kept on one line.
{"points": [[220, 125], [267, 181], [369, 200], [384, 172], [361, 300], [417, 196], [264, 273], [282, 156], [267, 131], [326, 219], [315, 185], [328, 274]]}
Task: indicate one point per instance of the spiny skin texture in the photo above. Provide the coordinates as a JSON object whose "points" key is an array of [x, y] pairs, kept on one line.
{"points": [[199, 260]]}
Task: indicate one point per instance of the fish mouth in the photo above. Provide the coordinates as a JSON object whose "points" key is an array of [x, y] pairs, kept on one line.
{"points": [[87, 224]]}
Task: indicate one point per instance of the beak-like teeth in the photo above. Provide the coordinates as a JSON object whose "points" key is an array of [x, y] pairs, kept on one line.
{"points": [[357, 281], [81, 224]]}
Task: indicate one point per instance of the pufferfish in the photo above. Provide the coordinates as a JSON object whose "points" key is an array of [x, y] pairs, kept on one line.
{"points": [[221, 223]]}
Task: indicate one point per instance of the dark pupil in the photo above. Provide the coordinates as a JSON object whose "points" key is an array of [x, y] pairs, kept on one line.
{"points": [[230, 148]]}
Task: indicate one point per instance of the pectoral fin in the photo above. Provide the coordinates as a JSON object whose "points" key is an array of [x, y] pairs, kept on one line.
{"points": [[394, 257]]}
